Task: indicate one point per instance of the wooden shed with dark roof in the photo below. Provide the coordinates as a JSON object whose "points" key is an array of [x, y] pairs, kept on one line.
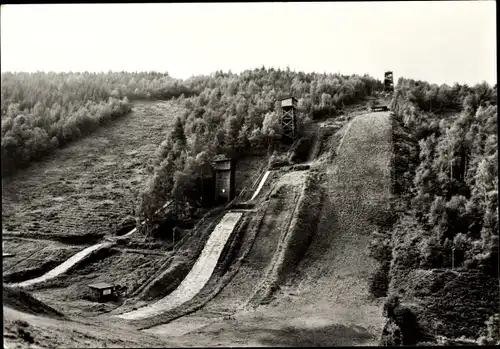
{"points": [[102, 291]]}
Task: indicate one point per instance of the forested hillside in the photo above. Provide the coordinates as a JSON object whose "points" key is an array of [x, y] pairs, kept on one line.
{"points": [[43, 111], [442, 250], [235, 114]]}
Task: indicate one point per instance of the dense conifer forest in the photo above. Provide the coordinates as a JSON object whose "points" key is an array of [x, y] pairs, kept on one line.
{"points": [[445, 217], [44, 111]]}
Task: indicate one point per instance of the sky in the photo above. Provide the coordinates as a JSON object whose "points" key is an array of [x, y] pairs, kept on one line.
{"points": [[440, 42]]}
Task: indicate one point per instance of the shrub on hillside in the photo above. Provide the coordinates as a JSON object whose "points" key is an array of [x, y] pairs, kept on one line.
{"points": [[23, 331], [379, 280], [381, 251], [384, 219], [402, 327], [300, 150], [278, 160], [491, 335]]}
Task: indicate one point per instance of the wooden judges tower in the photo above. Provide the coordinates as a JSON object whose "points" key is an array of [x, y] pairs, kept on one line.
{"points": [[288, 118], [224, 178], [388, 82]]}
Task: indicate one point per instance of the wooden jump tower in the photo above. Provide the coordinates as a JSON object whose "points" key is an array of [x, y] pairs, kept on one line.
{"points": [[288, 118], [224, 178], [388, 82]]}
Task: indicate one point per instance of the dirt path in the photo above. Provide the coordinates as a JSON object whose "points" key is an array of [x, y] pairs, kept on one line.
{"points": [[62, 268], [199, 274]]}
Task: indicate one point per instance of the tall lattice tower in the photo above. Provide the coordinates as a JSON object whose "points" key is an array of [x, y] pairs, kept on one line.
{"points": [[388, 81], [288, 118]]}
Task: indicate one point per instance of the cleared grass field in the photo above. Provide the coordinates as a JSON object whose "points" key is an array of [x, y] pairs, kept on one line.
{"points": [[92, 184], [331, 282]]}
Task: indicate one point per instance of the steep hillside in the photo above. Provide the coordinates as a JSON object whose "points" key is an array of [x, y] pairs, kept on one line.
{"points": [[442, 251], [90, 185], [358, 182], [326, 301], [331, 282], [23, 301]]}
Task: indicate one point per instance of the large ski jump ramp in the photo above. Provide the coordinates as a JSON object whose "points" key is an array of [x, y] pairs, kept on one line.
{"points": [[199, 274]]}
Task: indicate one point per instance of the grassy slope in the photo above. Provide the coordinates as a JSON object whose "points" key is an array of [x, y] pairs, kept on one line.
{"points": [[358, 183], [28, 322], [92, 184], [69, 292], [59, 333], [331, 282]]}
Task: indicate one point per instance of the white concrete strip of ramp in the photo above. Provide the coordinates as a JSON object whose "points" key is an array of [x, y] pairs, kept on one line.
{"points": [[199, 274], [261, 184], [61, 268]]}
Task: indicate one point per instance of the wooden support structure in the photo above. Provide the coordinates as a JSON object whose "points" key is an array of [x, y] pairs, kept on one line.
{"points": [[224, 178], [288, 118]]}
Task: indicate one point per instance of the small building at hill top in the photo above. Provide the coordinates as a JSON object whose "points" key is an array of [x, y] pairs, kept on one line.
{"points": [[224, 178], [388, 81]]}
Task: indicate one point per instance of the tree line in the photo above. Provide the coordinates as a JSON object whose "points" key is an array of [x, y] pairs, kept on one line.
{"points": [[445, 215], [446, 179], [236, 114], [43, 111], [452, 184]]}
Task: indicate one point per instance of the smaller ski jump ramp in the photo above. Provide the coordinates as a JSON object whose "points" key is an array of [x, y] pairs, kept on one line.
{"points": [[199, 274], [261, 184], [64, 267]]}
